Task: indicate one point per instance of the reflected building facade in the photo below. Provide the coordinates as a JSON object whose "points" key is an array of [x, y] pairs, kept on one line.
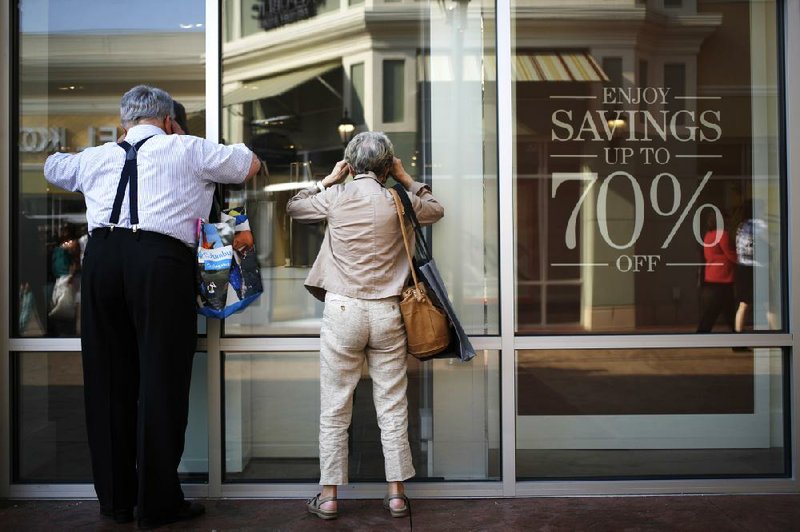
{"points": [[620, 137]]}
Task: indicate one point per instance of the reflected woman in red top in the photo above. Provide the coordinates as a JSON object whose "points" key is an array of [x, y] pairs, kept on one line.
{"points": [[717, 292]]}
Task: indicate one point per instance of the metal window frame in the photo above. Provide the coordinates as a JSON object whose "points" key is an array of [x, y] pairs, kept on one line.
{"points": [[507, 342], [7, 50]]}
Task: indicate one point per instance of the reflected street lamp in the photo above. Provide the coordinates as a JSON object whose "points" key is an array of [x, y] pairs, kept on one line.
{"points": [[346, 128]]}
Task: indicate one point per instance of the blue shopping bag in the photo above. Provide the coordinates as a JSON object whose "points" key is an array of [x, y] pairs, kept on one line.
{"points": [[228, 274]]}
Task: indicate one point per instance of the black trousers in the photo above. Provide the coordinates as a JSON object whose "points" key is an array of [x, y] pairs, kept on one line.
{"points": [[716, 299], [138, 338]]}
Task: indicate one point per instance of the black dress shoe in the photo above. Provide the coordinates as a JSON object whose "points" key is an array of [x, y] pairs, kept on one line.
{"points": [[188, 510], [119, 516]]}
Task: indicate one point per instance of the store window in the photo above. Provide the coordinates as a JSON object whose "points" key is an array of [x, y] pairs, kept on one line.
{"points": [[649, 199], [649, 413], [76, 61], [648, 188], [272, 419], [393, 90], [643, 77], [612, 67], [675, 83], [357, 92], [431, 92], [49, 434]]}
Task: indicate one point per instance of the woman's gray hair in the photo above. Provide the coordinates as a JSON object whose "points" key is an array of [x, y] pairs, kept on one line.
{"points": [[370, 151], [144, 101]]}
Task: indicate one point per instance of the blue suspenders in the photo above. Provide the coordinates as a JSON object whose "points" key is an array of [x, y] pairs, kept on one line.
{"points": [[130, 174]]}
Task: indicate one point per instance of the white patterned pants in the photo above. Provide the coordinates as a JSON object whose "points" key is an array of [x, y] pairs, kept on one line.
{"points": [[352, 330]]}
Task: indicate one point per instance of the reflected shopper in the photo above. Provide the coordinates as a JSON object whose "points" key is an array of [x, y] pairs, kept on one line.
{"points": [[751, 233], [359, 273], [138, 312], [716, 292], [65, 297]]}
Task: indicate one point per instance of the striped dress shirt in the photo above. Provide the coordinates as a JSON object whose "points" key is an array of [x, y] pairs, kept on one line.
{"points": [[176, 179]]}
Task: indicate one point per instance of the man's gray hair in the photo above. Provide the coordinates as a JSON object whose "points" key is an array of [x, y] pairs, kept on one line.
{"points": [[370, 151], [144, 101]]}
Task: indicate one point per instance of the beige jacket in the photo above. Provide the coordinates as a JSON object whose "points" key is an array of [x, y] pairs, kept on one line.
{"points": [[362, 254]]}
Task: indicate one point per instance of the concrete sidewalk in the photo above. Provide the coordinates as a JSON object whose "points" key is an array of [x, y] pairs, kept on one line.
{"points": [[680, 513]]}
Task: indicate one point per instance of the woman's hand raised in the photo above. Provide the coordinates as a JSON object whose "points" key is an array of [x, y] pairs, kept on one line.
{"points": [[400, 175], [338, 174]]}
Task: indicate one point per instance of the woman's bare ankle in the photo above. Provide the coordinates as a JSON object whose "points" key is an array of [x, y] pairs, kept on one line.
{"points": [[396, 488], [328, 491]]}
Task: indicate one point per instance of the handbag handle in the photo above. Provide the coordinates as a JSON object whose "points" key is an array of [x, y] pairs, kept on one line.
{"points": [[408, 210], [400, 217]]}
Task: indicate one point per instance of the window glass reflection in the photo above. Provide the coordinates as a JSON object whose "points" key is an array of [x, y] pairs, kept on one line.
{"points": [[431, 92], [637, 168], [50, 443], [453, 408], [76, 60], [651, 413]]}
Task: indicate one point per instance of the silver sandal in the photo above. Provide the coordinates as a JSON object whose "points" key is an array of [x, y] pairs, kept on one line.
{"points": [[314, 507], [399, 512]]}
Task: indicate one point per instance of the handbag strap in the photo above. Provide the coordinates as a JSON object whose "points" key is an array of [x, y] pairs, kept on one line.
{"points": [[402, 221], [408, 209]]}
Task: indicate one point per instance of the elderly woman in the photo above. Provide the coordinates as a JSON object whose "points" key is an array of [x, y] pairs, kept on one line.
{"points": [[359, 273]]}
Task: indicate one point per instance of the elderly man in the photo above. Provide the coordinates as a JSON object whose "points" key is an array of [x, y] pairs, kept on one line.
{"points": [[139, 322]]}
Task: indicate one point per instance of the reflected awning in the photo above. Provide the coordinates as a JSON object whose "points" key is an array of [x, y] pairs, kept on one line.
{"points": [[273, 86], [534, 66], [557, 66]]}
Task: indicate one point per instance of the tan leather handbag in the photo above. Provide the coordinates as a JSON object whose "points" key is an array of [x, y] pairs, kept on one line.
{"points": [[427, 327]]}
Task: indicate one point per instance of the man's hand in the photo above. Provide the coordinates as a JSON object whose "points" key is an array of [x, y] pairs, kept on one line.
{"points": [[338, 174], [256, 167], [400, 175], [172, 127]]}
